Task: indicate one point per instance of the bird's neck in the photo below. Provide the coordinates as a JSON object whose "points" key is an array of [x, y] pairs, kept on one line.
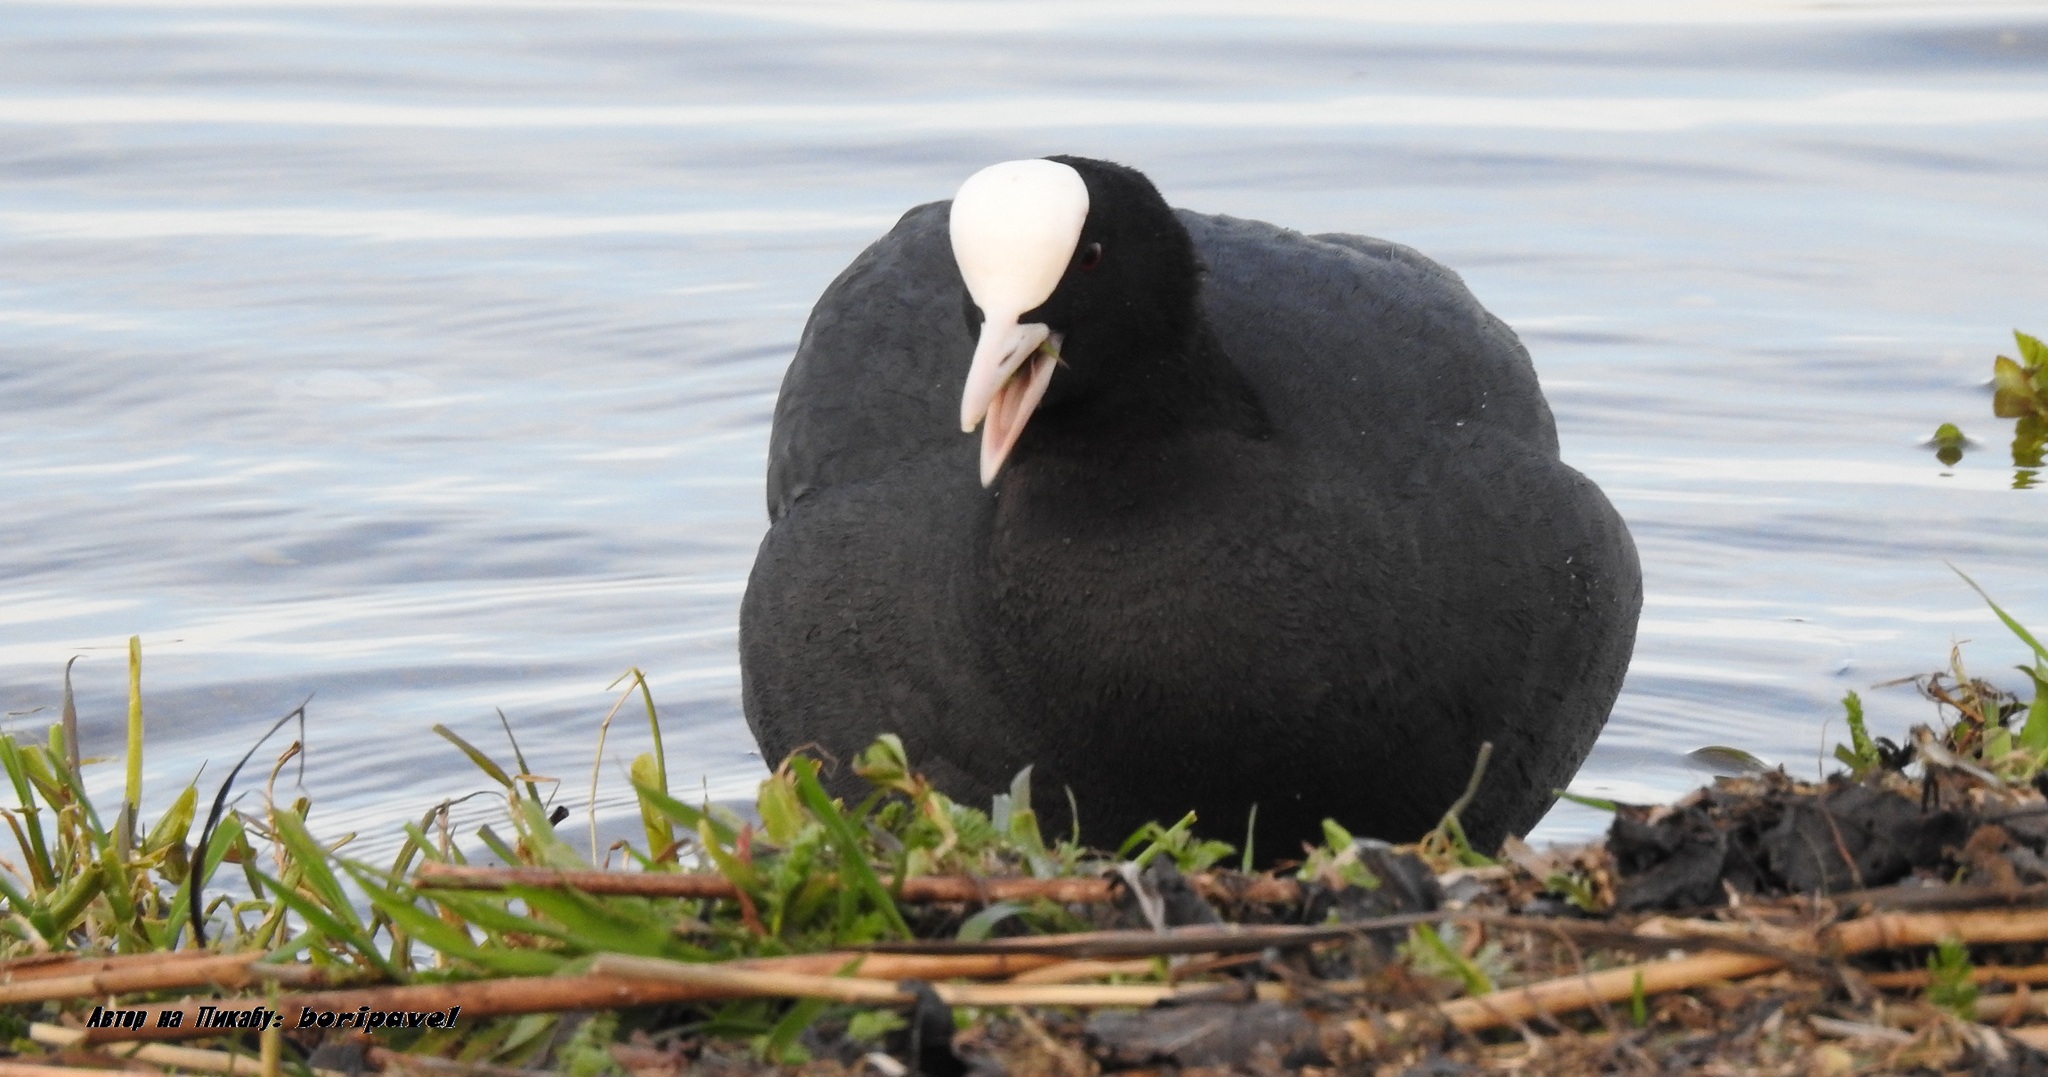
{"points": [[1157, 394]]}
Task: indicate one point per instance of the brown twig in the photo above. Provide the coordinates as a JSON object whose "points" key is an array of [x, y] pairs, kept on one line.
{"points": [[754, 983], [918, 890], [2006, 1009], [401, 1062], [1884, 931], [556, 994], [184, 1058], [231, 971], [1203, 939], [1891, 930], [2011, 974], [1238, 938], [1067, 972], [44, 966], [11, 1068]]}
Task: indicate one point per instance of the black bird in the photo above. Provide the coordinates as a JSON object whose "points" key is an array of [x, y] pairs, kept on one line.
{"points": [[1259, 518]]}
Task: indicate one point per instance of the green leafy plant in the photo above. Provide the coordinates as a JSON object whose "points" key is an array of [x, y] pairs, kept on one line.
{"points": [[1178, 843], [1949, 443], [1861, 754], [2019, 392], [1577, 888], [1446, 846], [1336, 863], [2034, 730], [2021, 384], [1440, 951], [1952, 985]]}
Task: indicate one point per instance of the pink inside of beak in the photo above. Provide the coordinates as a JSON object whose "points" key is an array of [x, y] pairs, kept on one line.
{"points": [[1010, 409]]}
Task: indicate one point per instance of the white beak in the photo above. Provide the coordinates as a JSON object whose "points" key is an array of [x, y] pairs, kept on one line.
{"points": [[1014, 227]]}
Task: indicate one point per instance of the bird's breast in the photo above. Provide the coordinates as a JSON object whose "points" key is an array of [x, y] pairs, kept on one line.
{"points": [[1183, 588]]}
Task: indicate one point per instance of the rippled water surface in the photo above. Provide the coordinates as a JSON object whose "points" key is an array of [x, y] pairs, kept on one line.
{"points": [[419, 357]]}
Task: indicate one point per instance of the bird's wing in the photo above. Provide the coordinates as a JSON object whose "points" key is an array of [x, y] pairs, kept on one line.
{"points": [[878, 374], [1343, 332]]}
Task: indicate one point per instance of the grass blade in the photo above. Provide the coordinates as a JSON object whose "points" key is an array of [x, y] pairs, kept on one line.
{"points": [[476, 756], [2018, 629], [853, 860], [320, 921]]}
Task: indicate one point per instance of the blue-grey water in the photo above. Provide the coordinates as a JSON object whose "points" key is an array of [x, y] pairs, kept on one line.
{"points": [[418, 357]]}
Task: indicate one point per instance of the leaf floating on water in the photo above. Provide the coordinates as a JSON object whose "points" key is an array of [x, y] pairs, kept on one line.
{"points": [[1949, 443]]}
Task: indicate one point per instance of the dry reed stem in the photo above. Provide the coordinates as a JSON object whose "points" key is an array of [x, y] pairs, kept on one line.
{"points": [[756, 983], [1906, 898], [1884, 931], [904, 966], [1067, 972], [556, 994], [400, 1063], [46, 966], [918, 890], [11, 1068], [231, 971], [1983, 974], [1896, 930], [2007, 1008], [184, 1058], [1198, 939], [1612, 985], [2035, 1036]]}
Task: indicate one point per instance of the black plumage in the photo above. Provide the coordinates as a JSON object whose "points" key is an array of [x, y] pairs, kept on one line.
{"points": [[1288, 529]]}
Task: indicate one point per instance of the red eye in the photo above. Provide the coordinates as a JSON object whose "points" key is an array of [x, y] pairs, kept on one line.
{"points": [[1091, 256]]}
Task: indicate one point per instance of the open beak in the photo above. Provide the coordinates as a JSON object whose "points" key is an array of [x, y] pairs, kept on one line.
{"points": [[1012, 366]]}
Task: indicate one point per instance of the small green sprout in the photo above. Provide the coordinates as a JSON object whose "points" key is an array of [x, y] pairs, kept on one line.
{"points": [[1953, 987]]}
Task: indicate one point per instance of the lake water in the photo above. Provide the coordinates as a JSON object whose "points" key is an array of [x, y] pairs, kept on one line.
{"points": [[418, 357]]}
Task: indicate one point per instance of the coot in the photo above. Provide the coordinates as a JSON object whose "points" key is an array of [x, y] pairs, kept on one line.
{"points": [[1254, 518]]}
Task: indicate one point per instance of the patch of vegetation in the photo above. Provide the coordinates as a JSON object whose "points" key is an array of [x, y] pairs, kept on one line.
{"points": [[2019, 392], [1951, 983], [785, 941]]}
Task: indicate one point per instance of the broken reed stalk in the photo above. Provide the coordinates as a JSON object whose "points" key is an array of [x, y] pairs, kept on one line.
{"points": [[1885, 931], [755, 983], [11, 1068], [1067, 972], [184, 1058], [2006, 1008], [1904, 898], [45, 966], [402, 1064], [918, 890], [1983, 974], [558, 994], [230, 971], [1198, 939], [1896, 930]]}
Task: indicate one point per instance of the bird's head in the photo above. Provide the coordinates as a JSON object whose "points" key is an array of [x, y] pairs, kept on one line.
{"points": [[1071, 264]]}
